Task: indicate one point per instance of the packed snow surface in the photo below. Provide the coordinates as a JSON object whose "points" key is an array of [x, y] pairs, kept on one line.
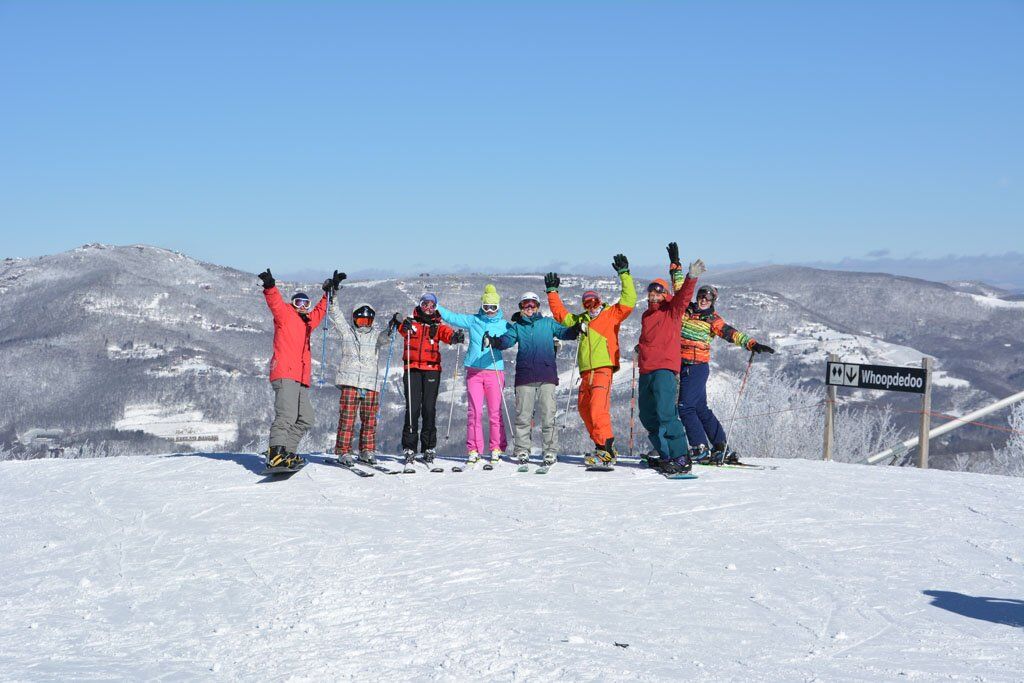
{"points": [[179, 567]]}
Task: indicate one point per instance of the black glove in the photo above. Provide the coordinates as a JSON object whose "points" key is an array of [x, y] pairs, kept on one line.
{"points": [[393, 324], [407, 325], [758, 347], [337, 278], [458, 337], [486, 341], [673, 254], [621, 264], [517, 316], [268, 279], [328, 286], [551, 281]]}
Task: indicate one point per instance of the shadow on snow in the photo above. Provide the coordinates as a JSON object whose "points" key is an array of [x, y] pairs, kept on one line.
{"points": [[997, 610]]}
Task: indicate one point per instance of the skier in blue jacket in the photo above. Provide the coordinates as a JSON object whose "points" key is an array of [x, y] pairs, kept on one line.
{"points": [[485, 374], [536, 373]]}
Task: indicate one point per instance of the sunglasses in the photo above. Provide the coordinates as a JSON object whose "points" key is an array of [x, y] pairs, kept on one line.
{"points": [[490, 308]]}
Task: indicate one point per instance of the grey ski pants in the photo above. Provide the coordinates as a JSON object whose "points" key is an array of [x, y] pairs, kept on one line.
{"points": [[293, 414], [539, 395]]}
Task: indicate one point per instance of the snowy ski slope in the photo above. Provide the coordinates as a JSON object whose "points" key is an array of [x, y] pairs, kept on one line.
{"points": [[183, 567]]}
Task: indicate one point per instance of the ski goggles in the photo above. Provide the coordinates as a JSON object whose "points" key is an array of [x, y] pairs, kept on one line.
{"points": [[427, 303], [363, 321], [528, 303], [490, 308], [591, 302], [300, 303], [655, 287]]}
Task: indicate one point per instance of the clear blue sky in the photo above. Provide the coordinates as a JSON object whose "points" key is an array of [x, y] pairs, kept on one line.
{"points": [[494, 135]]}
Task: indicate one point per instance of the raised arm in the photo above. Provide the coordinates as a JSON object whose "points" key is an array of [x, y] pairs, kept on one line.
{"points": [[458, 319], [627, 290]]}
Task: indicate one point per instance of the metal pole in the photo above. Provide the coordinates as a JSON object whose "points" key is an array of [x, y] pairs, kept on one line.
{"points": [[323, 342], [501, 378], [948, 427], [455, 379], [926, 414], [568, 397], [830, 414]]}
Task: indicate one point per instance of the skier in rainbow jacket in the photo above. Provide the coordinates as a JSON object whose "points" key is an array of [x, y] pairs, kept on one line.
{"points": [[536, 374], [657, 358], [290, 367], [361, 341], [485, 375], [597, 354], [701, 323]]}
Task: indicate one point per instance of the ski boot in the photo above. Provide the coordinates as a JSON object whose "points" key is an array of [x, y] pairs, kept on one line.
{"points": [[346, 459], [721, 455], [409, 455], [277, 456], [428, 456], [523, 459], [680, 465], [603, 456], [702, 456], [496, 456], [550, 459], [472, 459], [368, 457]]}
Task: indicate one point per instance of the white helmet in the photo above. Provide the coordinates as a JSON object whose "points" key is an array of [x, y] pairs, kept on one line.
{"points": [[529, 296]]}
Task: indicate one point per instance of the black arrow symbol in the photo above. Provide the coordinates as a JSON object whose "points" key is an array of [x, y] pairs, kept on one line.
{"points": [[850, 374]]}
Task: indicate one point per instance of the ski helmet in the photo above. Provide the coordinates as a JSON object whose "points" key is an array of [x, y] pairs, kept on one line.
{"points": [[658, 285], [363, 311], [363, 315], [429, 296], [709, 291], [529, 296], [591, 295]]}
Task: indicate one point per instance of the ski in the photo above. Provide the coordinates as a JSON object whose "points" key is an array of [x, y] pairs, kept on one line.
{"points": [[681, 475], [525, 467], [456, 468], [351, 468], [599, 468], [431, 466], [488, 466], [543, 469], [280, 472]]}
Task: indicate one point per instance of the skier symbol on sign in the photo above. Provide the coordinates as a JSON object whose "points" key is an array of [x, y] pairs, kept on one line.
{"points": [[852, 376]]}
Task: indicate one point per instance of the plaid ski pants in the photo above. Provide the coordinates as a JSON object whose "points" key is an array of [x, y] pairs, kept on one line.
{"points": [[361, 402]]}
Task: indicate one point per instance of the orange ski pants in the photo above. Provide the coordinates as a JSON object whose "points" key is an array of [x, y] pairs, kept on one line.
{"points": [[595, 403]]}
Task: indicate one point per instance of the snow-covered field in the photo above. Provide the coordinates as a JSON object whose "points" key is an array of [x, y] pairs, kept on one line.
{"points": [[182, 567]]}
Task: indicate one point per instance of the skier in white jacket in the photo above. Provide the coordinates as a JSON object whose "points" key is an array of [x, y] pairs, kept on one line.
{"points": [[361, 342]]}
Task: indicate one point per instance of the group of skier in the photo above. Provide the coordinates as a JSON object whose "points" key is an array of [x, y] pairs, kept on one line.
{"points": [[672, 358]]}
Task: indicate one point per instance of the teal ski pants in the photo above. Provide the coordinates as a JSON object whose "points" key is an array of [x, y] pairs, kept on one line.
{"points": [[659, 414]]}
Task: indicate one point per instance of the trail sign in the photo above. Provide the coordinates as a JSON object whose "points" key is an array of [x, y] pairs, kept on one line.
{"points": [[882, 377]]}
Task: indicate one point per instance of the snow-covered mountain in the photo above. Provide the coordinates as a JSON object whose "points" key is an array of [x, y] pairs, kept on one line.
{"points": [[140, 349], [186, 566]]}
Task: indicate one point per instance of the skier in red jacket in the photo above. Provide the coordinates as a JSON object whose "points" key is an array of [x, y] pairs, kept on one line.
{"points": [[659, 365], [290, 367]]}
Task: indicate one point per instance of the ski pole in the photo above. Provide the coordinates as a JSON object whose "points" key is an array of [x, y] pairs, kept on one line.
{"points": [[387, 367], [455, 379], [500, 377], [743, 385], [568, 398], [323, 343], [408, 384], [632, 407]]}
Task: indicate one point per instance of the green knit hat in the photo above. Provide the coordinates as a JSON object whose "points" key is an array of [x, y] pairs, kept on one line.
{"points": [[490, 295]]}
